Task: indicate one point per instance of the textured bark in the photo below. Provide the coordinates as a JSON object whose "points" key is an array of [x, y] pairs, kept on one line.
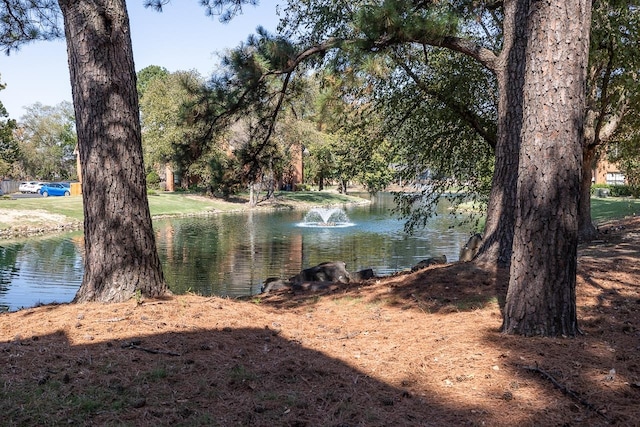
{"points": [[498, 234], [120, 251], [541, 297]]}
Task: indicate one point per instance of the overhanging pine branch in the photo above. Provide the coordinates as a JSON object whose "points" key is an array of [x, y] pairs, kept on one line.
{"points": [[464, 113], [485, 56]]}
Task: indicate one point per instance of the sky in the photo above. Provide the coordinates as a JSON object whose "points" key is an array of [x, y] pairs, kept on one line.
{"points": [[182, 37]]}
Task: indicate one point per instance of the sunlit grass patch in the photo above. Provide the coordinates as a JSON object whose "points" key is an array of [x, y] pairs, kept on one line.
{"points": [[603, 209]]}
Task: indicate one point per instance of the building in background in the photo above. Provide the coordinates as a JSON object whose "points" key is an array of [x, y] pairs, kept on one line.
{"points": [[609, 173]]}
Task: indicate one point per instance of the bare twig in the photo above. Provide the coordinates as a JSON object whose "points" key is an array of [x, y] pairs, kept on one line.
{"points": [[567, 390], [113, 320], [349, 336], [134, 345]]}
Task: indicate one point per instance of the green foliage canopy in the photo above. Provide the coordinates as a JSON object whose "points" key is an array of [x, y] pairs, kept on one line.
{"points": [[47, 139], [9, 149], [170, 131]]}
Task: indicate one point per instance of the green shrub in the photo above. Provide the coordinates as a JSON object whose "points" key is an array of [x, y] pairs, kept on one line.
{"points": [[153, 179], [302, 187], [620, 191], [225, 176], [613, 190], [595, 187]]}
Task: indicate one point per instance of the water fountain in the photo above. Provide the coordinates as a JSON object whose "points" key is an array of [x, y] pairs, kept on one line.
{"points": [[326, 217]]}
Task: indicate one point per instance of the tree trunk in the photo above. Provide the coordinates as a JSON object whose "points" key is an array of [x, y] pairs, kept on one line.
{"points": [[586, 230], [343, 184], [497, 240], [120, 251], [541, 297], [254, 193]]}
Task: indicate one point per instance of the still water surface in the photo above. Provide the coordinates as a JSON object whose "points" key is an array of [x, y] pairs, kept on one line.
{"points": [[232, 254]]}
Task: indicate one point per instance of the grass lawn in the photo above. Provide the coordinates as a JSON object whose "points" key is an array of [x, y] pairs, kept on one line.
{"points": [[188, 204], [603, 209], [316, 197], [67, 206]]}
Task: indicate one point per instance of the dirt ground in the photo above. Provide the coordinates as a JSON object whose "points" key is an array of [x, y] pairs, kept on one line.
{"points": [[419, 349], [29, 223]]}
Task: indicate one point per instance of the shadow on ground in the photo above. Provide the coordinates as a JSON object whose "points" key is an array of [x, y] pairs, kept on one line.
{"points": [[163, 379]]}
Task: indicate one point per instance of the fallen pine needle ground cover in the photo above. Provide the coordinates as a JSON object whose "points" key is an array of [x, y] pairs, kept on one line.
{"points": [[418, 349]]}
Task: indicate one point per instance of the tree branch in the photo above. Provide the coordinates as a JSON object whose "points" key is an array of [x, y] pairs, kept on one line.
{"points": [[464, 113], [483, 55]]}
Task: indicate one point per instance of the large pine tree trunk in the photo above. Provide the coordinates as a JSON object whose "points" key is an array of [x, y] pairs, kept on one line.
{"points": [[541, 297], [120, 251]]}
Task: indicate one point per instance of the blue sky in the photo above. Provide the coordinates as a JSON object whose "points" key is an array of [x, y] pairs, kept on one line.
{"points": [[179, 38]]}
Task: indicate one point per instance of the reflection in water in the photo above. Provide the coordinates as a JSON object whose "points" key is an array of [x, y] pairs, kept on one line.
{"points": [[232, 254], [40, 271]]}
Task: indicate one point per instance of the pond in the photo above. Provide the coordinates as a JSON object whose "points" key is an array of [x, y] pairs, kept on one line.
{"points": [[232, 254]]}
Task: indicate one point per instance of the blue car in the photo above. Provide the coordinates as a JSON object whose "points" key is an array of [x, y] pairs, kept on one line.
{"points": [[54, 189]]}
